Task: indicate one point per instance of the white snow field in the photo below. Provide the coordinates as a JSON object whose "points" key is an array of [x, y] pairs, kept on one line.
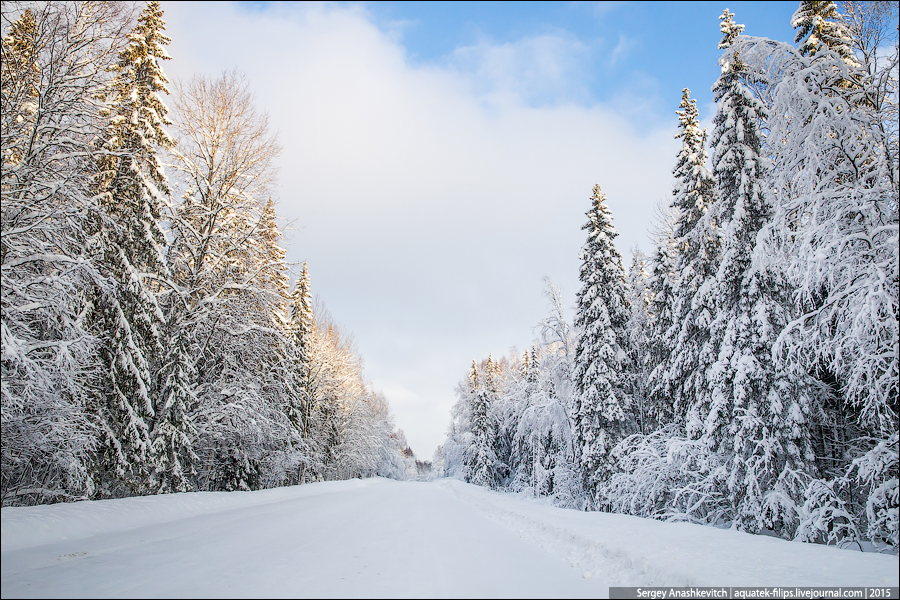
{"points": [[383, 538]]}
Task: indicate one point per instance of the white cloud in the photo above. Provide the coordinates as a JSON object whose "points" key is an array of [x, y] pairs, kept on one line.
{"points": [[543, 69], [623, 47], [603, 8], [428, 215]]}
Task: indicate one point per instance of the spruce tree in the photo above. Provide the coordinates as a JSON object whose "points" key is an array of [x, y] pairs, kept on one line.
{"points": [[174, 434], [300, 337], [756, 413], [271, 275], [661, 284], [819, 27], [55, 67], [638, 335], [601, 316], [696, 242], [481, 458], [127, 318], [132, 181]]}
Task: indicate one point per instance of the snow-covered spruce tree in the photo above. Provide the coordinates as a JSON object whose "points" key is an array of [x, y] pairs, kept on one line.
{"points": [[459, 433], [697, 242], [270, 270], [601, 407], [281, 385], [638, 330], [173, 431], [836, 230], [54, 67], [820, 28], [125, 315], [661, 284], [482, 465], [300, 327], [506, 411], [757, 411], [664, 473]]}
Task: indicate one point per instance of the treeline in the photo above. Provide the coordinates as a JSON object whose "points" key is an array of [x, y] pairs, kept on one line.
{"points": [[150, 340], [745, 374]]}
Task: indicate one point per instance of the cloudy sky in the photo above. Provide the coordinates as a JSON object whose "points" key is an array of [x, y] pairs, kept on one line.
{"points": [[439, 157]]}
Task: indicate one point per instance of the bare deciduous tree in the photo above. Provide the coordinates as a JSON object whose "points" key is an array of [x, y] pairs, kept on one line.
{"points": [[221, 301]]}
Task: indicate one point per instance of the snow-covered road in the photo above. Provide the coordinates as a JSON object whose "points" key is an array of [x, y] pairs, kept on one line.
{"points": [[381, 538]]}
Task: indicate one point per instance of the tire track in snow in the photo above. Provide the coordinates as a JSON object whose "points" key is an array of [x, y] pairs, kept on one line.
{"points": [[597, 558]]}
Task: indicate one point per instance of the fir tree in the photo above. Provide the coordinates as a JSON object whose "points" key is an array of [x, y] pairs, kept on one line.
{"points": [[131, 187], [696, 243], [638, 365], [300, 330], [54, 65], [601, 316], [481, 459], [730, 30], [271, 270], [661, 287], [174, 434], [820, 27], [757, 413]]}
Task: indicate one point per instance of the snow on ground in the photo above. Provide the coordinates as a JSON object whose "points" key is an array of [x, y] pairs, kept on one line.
{"points": [[382, 538]]}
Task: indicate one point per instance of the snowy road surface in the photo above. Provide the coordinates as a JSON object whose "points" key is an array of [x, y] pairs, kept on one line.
{"points": [[381, 538]]}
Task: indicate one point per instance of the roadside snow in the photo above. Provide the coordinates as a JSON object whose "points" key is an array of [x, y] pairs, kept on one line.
{"points": [[381, 538], [631, 551]]}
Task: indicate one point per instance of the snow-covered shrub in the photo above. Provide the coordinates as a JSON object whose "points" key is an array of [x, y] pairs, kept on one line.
{"points": [[665, 475], [877, 471], [824, 517]]}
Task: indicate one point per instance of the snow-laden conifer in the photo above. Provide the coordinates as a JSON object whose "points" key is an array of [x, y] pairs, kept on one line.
{"points": [[638, 330], [661, 284], [697, 244], [271, 268], [127, 318], [600, 417], [54, 64], [754, 411], [298, 373], [821, 28], [174, 434], [482, 466]]}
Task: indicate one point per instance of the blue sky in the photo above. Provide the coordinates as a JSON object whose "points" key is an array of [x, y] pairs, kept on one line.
{"points": [[646, 50], [637, 56], [439, 157]]}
